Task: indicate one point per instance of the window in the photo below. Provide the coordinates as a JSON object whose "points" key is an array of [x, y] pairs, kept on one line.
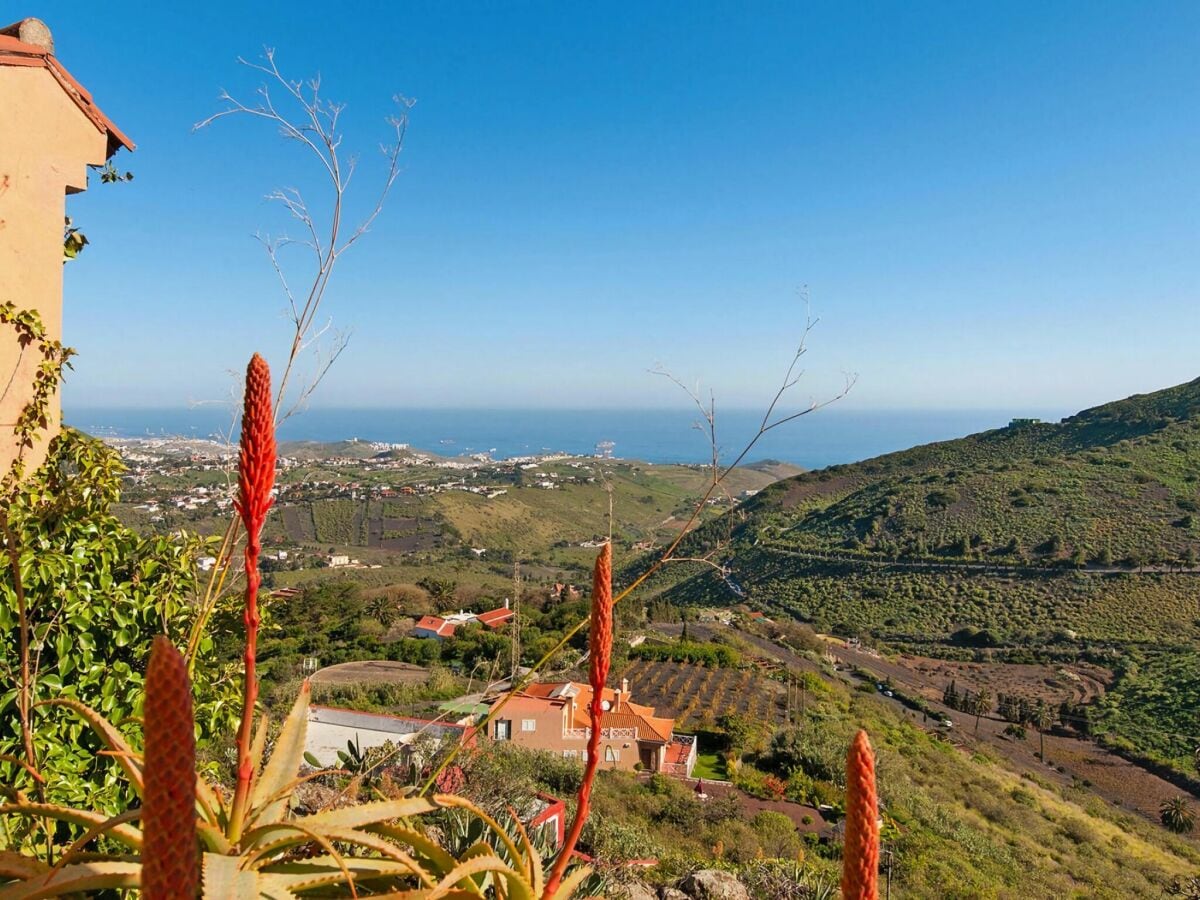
{"points": [[529, 724], [570, 754], [611, 754], [503, 730]]}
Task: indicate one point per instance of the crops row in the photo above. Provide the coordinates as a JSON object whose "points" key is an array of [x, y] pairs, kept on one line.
{"points": [[699, 696]]}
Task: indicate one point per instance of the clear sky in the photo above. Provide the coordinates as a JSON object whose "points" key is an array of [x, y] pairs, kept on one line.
{"points": [[992, 205]]}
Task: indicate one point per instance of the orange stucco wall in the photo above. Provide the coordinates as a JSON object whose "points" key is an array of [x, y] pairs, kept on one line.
{"points": [[46, 145], [551, 721]]}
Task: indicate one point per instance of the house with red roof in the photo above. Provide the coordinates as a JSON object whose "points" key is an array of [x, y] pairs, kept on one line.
{"points": [[441, 627], [554, 716]]}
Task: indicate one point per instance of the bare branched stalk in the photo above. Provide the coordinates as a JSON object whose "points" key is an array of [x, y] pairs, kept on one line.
{"points": [[313, 122]]}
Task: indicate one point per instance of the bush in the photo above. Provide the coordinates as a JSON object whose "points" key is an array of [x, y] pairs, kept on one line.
{"points": [[96, 594]]}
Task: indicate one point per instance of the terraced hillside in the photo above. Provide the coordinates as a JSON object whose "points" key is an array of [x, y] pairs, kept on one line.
{"points": [[1032, 541]]}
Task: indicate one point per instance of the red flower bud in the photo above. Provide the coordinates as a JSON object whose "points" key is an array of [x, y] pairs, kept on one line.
{"points": [[256, 452]]}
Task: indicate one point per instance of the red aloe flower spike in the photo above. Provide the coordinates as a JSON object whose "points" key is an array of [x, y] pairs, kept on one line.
{"points": [[256, 478], [170, 863], [860, 854], [600, 641]]}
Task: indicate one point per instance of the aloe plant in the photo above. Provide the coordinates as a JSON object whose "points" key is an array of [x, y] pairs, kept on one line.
{"points": [[377, 848]]}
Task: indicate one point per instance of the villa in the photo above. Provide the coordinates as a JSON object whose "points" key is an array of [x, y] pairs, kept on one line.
{"points": [[554, 717], [441, 627]]}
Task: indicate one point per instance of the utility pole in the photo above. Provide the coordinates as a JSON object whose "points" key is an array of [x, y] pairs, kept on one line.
{"points": [[515, 630]]}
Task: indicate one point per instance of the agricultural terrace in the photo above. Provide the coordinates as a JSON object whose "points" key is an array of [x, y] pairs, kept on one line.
{"points": [[698, 696]]}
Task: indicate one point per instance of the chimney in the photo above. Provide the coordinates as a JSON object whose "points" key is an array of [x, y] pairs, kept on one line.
{"points": [[31, 31], [625, 686], [506, 603]]}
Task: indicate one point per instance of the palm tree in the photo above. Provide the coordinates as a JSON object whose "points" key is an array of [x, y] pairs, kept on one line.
{"points": [[383, 609], [1177, 815], [982, 705]]}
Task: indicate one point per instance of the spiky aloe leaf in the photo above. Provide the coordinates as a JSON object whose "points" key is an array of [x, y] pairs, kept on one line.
{"points": [[225, 880], [571, 883], [518, 887], [533, 860], [126, 834], [268, 798], [438, 861], [19, 866], [365, 814], [324, 871], [453, 800], [271, 840], [77, 878], [129, 760], [478, 850]]}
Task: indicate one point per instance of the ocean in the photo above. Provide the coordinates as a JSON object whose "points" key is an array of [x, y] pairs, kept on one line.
{"points": [[824, 438]]}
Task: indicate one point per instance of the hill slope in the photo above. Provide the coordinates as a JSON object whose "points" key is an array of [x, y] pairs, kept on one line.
{"points": [[1068, 540]]}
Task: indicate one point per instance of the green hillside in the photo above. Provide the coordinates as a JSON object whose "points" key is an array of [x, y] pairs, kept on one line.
{"points": [[1033, 541]]}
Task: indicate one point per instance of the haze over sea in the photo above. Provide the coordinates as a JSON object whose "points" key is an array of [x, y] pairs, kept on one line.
{"points": [[824, 438]]}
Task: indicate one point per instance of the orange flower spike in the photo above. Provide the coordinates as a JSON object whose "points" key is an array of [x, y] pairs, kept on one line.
{"points": [[256, 478], [600, 642], [860, 854], [600, 635], [170, 861]]}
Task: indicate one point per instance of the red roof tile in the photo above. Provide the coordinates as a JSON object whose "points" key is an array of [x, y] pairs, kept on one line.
{"points": [[494, 618], [15, 52], [437, 625]]}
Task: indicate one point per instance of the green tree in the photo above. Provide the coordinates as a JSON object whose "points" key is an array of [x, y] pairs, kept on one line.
{"points": [[440, 589], [383, 610], [981, 705], [81, 599], [776, 834], [1177, 816]]}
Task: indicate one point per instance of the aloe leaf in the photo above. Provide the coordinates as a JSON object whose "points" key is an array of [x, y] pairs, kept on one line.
{"points": [[370, 813], [19, 866], [461, 803], [77, 878], [267, 804], [323, 871], [126, 834], [273, 838], [440, 861], [567, 886], [533, 862], [224, 879], [519, 888], [129, 760], [76, 848]]}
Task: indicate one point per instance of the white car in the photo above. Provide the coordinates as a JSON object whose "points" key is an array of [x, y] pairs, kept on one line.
{"points": [[946, 723]]}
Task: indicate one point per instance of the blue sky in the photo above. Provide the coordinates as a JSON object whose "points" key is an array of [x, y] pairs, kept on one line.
{"points": [[991, 205]]}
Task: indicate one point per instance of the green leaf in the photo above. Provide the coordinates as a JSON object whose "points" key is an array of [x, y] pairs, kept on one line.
{"points": [[365, 814], [269, 797], [224, 879], [76, 879], [129, 761]]}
